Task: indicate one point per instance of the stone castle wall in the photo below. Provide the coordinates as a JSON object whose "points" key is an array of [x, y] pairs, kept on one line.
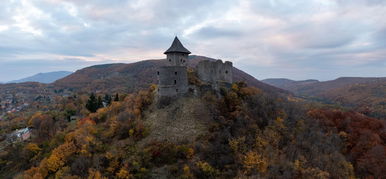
{"points": [[177, 59], [172, 80], [215, 71], [173, 77]]}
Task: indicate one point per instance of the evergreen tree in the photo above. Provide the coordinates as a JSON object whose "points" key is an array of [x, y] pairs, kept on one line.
{"points": [[92, 103], [107, 99], [116, 97], [100, 102]]}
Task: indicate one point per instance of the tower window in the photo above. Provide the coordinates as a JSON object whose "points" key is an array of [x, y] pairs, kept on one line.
{"points": [[170, 60], [175, 81], [176, 90], [226, 72], [175, 73], [157, 72]]}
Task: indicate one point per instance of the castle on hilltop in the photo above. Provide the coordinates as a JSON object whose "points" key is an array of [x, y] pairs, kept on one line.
{"points": [[173, 77]]}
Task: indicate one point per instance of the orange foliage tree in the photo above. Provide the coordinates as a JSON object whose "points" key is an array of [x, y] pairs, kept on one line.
{"points": [[365, 139]]}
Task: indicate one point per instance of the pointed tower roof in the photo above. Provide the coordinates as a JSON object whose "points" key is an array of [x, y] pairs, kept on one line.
{"points": [[177, 47]]}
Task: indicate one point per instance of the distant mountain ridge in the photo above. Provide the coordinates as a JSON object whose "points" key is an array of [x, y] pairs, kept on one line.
{"points": [[316, 88], [288, 84], [49, 77]]}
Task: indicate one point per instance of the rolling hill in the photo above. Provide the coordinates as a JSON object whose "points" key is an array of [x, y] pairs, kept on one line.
{"points": [[367, 95], [134, 76], [44, 77], [109, 78]]}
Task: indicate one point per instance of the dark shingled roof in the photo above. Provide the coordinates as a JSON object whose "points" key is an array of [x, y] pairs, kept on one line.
{"points": [[177, 47]]}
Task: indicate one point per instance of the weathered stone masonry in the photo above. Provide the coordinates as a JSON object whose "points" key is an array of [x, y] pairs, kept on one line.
{"points": [[215, 72], [173, 78]]}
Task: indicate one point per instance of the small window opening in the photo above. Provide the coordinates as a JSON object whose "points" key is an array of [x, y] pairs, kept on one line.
{"points": [[181, 60], [175, 81], [157, 72], [170, 60], [176, 90], [175, 73], [226, 72]]}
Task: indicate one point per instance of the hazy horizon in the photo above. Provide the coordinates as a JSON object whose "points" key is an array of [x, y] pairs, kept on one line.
{"points": [[302, 39], [198, 55]]}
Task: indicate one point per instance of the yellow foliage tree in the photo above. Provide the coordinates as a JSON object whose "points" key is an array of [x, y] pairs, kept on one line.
{"points": [[255, 162], [186, 172], [95, 174], [32, 147], [207, 169], [59, 156], [124, 174]]}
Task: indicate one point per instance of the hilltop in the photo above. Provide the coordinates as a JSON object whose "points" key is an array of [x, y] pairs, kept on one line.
{"points": [[134, 76]]}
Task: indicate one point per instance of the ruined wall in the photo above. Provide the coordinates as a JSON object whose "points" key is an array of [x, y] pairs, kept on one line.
{"points": [[215, 71], [177, 59], [172, 80]]}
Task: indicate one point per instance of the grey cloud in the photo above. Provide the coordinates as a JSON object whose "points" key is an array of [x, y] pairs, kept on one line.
{"points": [[362, 2], [213, 32], [331, 34], [294, 40]]}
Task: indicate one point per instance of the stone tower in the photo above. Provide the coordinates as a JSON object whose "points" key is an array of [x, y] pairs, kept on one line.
{"points": [[173, 78], [177, 54]]}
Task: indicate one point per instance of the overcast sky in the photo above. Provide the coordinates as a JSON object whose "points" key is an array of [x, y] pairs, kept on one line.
{"points": [[297, 39]]}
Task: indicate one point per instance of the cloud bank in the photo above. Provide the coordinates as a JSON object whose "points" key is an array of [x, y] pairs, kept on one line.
{"points": [[300, 39]]}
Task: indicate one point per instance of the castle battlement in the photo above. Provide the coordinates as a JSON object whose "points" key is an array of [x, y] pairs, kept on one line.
{"points": [[215, 71]]}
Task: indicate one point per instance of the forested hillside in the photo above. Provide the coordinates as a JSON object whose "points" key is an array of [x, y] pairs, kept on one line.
{"points": [[238, 132], [366, 95]]}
